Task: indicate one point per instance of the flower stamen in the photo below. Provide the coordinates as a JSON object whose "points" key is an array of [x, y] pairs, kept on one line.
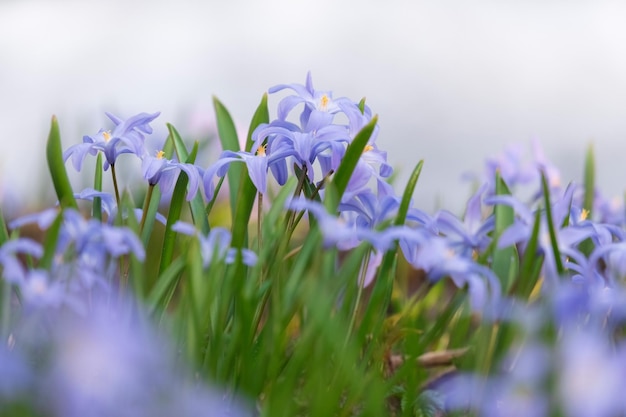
{"points": [[261, 150]]}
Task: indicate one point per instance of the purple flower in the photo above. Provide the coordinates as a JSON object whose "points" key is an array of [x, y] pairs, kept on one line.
{"points": [[12, 269], [471, 234], [215, 244], [591, 374], [257, 164], [126, 137], [306, 145], [109, 205], [87, 249], [40, 291], [159, 170], [318, 104], [437, 257], [520, 232]]}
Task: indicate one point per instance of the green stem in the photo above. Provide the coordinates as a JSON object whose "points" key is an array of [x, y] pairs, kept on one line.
{"points": [[358, 296], [146, 206], [258, 222], [115, 187]]}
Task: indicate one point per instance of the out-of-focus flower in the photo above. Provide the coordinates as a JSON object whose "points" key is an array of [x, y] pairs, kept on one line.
{"points": [[591, 374], [471, 234], [12, 269], [104, 362], [87, 249], [126, 137], [215, 244], [520, 232], [437, 257]]}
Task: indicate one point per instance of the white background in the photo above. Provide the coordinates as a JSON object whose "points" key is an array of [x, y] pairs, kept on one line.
{"points": [[452, 81]]}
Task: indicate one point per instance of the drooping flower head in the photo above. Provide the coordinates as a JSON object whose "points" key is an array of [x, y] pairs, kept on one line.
{"points": [[126, 137]]}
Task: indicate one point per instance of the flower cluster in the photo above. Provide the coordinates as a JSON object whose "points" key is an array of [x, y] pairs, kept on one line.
{"points": [[540, 280]]}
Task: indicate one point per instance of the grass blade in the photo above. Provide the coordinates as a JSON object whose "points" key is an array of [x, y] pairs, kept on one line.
{"points": [[228, 137], [56, 165], [196, 205]]}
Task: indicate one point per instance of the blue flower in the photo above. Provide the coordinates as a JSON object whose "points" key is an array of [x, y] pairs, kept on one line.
{"points": [[265, 158], [471, 234], [159, 170], [215, 244], [126, 137], [317, 104], [12, 268]]}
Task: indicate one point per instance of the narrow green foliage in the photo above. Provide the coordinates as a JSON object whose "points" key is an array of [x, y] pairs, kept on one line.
{"points": [[362, 105], [587, 246], [196, 205], [407, 196], [383, 286], [169, 240], [157, 299], [589, 181], [54, 155], [230, 142], [531, 263], [504, 259], [261, 115], [247, 191], [352, 156], [50, 242], [97, 185], [553, 239], [4, 234], [5, 288]]}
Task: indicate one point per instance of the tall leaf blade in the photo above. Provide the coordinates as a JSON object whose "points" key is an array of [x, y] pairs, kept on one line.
{"points": [[228, 137], [504, 259], [196, 205], [247, 191], [381, 294], [56, 165], [97, 185], [553, 239]]}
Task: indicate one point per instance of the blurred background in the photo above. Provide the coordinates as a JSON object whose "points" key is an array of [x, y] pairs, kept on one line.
{"points": [[453, 81]]}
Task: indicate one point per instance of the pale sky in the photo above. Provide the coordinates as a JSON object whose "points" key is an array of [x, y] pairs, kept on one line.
{"points": [[453, 81]]}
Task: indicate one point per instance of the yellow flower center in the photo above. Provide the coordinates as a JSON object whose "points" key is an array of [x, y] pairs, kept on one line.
{"points": [[261, 150], [324, 102], [106, 136], [584, 214], [160, 155], [368, 148]]}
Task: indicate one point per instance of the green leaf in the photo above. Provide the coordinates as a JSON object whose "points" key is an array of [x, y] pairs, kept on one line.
{"points": [[405, 204], [50, 242], [505, 260], [589, 181], [587, 246], [176, 205], [531, 263], [97, 185], [553, 239], [247, 191], [196, 205], [4, 234], [157, 298], [383, 286], [56, 165], [228, 137]]}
